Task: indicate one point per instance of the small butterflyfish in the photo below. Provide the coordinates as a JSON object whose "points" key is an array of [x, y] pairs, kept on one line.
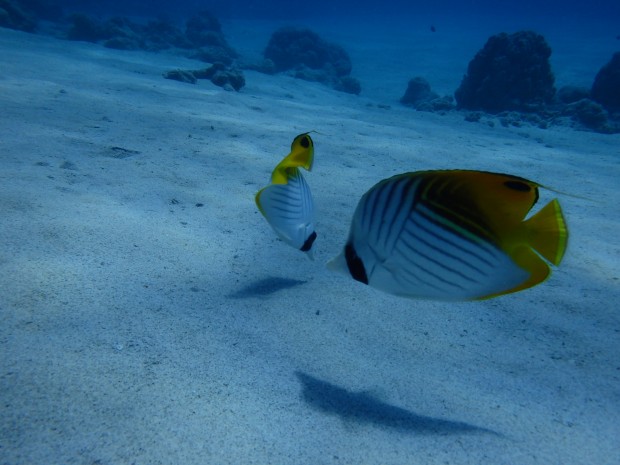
{"points": [[287, 203], [453, 235]]}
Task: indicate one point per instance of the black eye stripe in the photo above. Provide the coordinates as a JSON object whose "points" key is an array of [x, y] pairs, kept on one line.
{"points": [[305, 142], [518, 186]]}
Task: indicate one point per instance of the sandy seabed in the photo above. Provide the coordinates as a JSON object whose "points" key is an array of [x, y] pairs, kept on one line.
{"points": [[150, 316]]}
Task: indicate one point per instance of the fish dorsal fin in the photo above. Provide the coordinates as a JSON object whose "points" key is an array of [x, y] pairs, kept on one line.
{"points": [[301, 156]]}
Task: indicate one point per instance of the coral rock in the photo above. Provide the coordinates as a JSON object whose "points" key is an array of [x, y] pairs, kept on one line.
{"points": [[290, 48], [305, 55], [418, 91], [572, 94], [511, 72], [181, 75], [606, 87]]}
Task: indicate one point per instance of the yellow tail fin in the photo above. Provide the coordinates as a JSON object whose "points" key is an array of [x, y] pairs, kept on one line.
{"points": [[547, 232]]}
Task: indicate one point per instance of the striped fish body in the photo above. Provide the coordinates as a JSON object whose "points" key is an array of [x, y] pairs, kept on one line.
{"points": [[452, 235], [289, 209], [287, 203]]}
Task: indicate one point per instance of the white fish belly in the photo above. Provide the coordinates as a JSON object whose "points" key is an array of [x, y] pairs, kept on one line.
{"points": [[289, 209], [419, 257]]}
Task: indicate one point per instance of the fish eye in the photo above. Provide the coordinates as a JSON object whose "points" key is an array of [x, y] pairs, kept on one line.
{"points": [[518, 186], [305, 142]]}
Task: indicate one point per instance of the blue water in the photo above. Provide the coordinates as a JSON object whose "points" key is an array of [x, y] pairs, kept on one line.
{"points": [[585, 32], [115, 347], [550, 10]]}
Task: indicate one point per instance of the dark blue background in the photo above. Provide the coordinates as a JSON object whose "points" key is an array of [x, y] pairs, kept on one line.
{"points": [[604, 10]]}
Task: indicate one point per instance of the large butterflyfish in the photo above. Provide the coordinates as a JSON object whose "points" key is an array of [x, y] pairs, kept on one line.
{"points": [[453, 235], [287, 203]]}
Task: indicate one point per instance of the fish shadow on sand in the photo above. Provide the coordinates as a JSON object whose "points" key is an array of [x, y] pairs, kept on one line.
{"points": [[264, 287], [361, 407]]}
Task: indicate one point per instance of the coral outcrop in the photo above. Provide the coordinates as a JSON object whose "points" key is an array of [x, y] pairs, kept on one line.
{"points": [[606, 86], [511, 72], [14, 16], [305, 55], [420, 96], [418, 92], [221, 75], [202, 39]]}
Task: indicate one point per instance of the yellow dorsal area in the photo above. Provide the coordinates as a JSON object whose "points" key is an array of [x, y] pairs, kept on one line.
{"points": [[301, 156], [503, 199], [493, 205], [506, 200], [501, 202]]}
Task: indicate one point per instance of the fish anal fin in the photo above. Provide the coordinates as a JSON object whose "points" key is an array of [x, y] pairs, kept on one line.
{"points": [[547, 232], [531, 262], [257, 200]]}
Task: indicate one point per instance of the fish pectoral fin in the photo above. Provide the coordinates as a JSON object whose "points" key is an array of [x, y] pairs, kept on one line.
{"points": [[547, 232]]}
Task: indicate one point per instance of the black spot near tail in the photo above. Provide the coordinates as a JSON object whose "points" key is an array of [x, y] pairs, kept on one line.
{"points": [[308, 244], [355, 264]]}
